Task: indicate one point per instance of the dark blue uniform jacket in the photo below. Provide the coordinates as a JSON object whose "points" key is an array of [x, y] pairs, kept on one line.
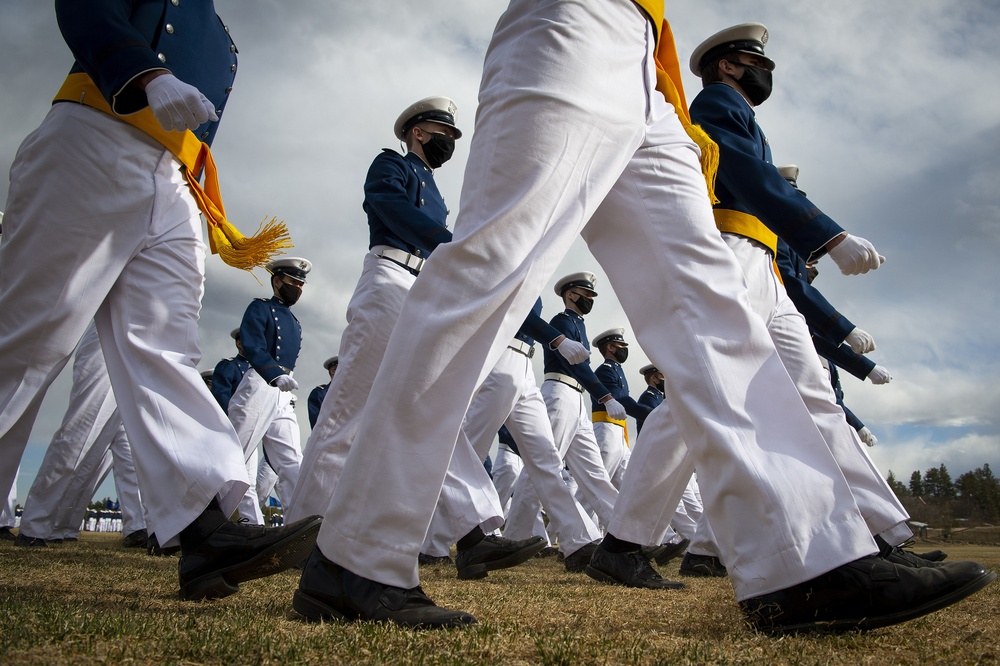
{"points": [[115, 40], [271, 337], [405, 209], [749, 183]]}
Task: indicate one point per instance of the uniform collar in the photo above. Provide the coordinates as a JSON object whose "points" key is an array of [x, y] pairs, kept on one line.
{"points": [[571, 313]]}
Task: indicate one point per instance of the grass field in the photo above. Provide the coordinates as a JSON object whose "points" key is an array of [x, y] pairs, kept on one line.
{"points": [[93, 602]]}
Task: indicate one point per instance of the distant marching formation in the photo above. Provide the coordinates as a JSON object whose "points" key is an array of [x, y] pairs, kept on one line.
{"points": [[745, 459]]}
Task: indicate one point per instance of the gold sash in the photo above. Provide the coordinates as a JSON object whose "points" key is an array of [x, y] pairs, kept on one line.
{"points": [[224, 239], [603, 417], [735, 222]]}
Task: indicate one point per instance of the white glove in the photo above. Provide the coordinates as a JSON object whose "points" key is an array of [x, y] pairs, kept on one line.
{"points": [[861, 341], [615, 410], [286, 383], [855, 255], [573, 351], [867, 437], [176, 105], [879, 375]]}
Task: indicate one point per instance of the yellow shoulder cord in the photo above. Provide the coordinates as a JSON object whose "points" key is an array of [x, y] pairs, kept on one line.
{"points": [[668, 82], [224, 239]]}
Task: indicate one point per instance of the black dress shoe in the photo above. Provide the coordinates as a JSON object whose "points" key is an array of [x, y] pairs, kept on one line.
{"points": [[328, 591], [906, 558], [865, 594], [671, 551], [631, 569], [704, 566], [137, 539], [493, 553], [433, 560], [932, 555], [577, 561], [236, 553], [6, 534], [26, 541], [548, 551]]}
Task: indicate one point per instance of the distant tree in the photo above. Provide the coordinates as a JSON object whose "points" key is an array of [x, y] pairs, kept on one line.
{"points": [[980, 489], [937, 483], [897, 486], [916, 484]]}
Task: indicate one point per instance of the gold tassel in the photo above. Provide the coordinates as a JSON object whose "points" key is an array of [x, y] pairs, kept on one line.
{"points": [[249, 252], [224, 238]]}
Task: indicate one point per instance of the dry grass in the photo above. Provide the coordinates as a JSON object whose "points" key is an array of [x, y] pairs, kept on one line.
{"points": [[94, 602]]}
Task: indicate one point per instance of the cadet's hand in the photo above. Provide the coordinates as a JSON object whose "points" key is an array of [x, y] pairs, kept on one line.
{"points": [[861, 341], [615, 409], [176, 105], [286, 383], [573, 351], [879, 375], [854, 255], [867, 437]]}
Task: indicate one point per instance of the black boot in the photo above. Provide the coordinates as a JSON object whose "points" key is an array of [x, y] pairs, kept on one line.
{"points": [[218, 555], [328, 591]]}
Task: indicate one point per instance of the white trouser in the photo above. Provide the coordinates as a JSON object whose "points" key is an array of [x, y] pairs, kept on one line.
{"points": [[8, 515], [83, 483], [262, 415], [106, 211], [878, 504], [90, 411], [126, 482], [506, 468], [703, 542], [268, 484], [509, 396], [371, 315], [571, 137], [614, 451], [573, 433]]}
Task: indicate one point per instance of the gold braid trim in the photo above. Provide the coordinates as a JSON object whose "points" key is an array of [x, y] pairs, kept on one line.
{"points": [[224, 239]]}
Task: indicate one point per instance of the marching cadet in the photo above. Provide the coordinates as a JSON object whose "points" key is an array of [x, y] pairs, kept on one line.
{"points": [[757, 208], [653, 395], [407, 221], [509, 396], [611, 433], [261, 407], [757, 205], [229, 373], [317, 395], [568, 407], [125, 143]]}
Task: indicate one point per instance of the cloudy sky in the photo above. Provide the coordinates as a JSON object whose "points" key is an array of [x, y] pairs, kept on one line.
{"points": [[890, 109]]}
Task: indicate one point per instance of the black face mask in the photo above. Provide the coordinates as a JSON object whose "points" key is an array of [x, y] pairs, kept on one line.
{"points": [[438, 149], [620, 354], [289, 293], [584, 304], [756, 83], [661, 386]]}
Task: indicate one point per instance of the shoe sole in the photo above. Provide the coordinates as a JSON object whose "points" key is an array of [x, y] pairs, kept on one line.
{"points": [[475, 571], [283, 555], [602, 577], [315, 610], [867, 623]]}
